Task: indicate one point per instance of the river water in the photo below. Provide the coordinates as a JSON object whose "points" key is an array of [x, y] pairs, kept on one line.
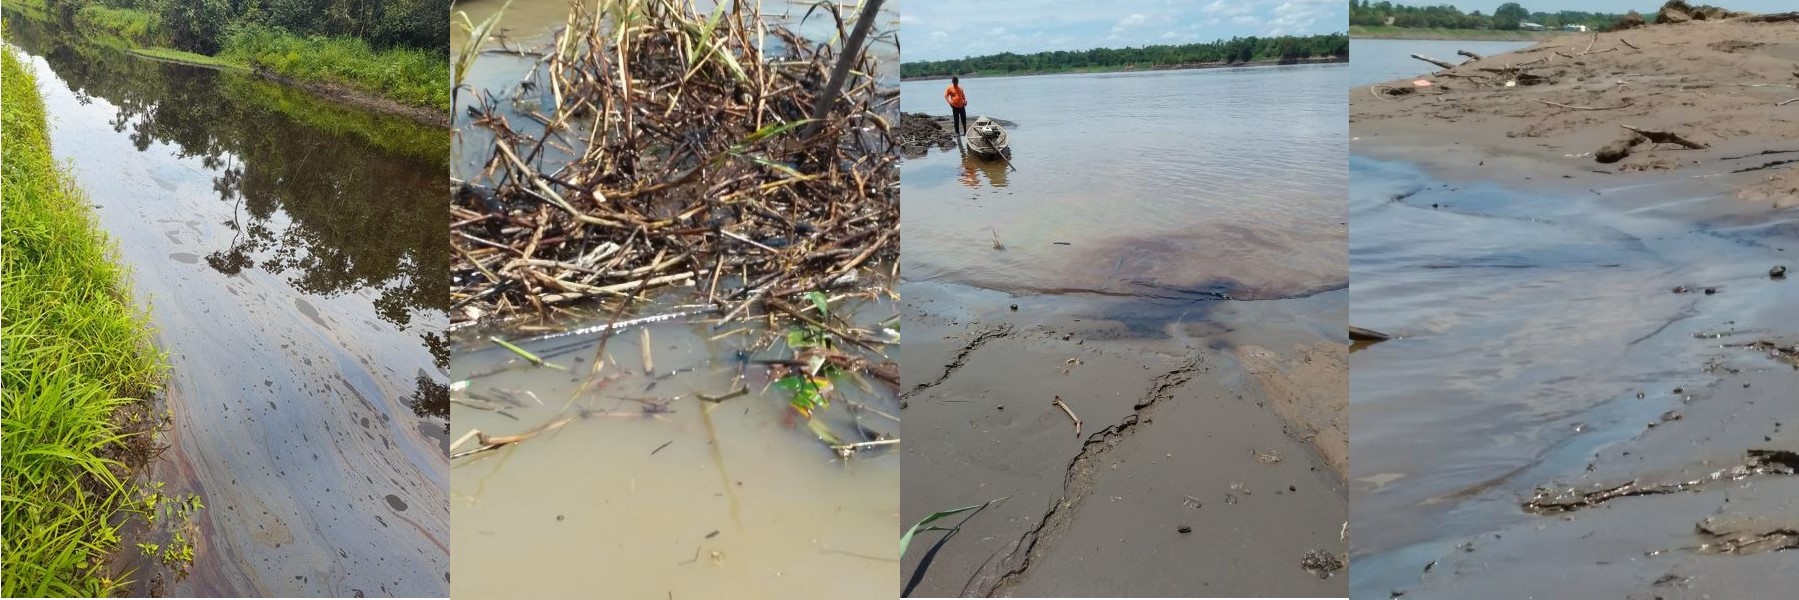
{"points": [[291, 277], [1161, 189], [651, 492]]}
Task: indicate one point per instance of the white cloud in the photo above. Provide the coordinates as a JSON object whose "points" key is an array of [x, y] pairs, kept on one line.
{"points": [[1226, 9], [1129, 22], [938, 35], [1246, 20]]}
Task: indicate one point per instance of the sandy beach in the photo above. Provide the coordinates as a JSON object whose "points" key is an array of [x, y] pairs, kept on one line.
{"points": [[1719, 85]]}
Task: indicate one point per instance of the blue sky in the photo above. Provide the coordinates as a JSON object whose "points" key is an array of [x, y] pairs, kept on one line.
{"points": [[942, 29], [1607, 6]]}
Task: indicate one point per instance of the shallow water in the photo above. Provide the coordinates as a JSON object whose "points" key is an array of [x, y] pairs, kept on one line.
{"points": [[288, 273], [1169, 187], [629, 501], [1527, 325], [1375, 61]]}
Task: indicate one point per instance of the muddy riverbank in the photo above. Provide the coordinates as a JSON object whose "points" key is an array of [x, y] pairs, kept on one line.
{"points": [[1182, 478], [1137, 343], [1579, 374], [287, 275]]}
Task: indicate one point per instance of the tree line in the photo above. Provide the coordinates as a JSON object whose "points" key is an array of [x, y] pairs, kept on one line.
{"points": [[1505, 18], [1234, 50], [202, 25]]}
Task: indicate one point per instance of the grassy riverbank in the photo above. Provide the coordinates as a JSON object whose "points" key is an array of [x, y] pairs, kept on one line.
{"points": [[78, 364], [407, 76], [1383, 32]]}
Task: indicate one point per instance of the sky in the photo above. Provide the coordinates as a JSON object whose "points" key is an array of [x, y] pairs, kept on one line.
{"points": [[945, 29], [1604, 6]]}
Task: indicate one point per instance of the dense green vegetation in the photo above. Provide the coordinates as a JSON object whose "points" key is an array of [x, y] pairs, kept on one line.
{"points": [[1505, 17], [78, 359], [1232, 51], [392, 48], [410, 75], [1443, 33]]}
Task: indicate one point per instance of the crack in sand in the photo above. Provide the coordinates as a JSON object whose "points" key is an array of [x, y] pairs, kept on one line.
{"points": [[1077, 484], [987, 335]]}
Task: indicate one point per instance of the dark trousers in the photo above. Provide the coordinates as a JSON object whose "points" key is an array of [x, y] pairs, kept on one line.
{"points": [[960, 115]]}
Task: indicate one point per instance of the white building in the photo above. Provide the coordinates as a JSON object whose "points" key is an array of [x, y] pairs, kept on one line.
{"points": [[1529, 26], [1579, 28]]}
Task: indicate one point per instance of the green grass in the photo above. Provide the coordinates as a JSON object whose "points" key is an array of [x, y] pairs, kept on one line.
{"points": [[414, 77], [30, 9], [409, 76], [192, 58], [1383, 32], [76, 353], [133, 27], [393, 134]]}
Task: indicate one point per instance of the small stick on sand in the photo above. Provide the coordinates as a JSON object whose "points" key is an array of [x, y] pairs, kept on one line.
{"points": [[1627, 43], [1667, 137], [1626, 104], [1786, 101], [1470, 55], [1077, 420]]}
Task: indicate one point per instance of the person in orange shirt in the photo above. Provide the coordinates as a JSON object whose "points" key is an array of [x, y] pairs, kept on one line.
{"points": [[958, 105]]}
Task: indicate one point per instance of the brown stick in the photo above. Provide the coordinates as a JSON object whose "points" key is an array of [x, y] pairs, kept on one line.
{"points": [[1470, 55], [1077, 420], [1626, 104], [1433, 61], [1667, 137]]}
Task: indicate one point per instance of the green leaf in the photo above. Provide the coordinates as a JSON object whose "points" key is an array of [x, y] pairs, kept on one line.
{"points": [[821, 302], [925, 523]]}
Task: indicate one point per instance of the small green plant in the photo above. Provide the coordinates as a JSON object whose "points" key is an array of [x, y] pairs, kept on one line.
{"points": [[926, 524], [809, 391]]}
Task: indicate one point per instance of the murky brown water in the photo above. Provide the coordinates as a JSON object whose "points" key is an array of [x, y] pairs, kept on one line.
{"points": [[289, 275], [684, 500]]}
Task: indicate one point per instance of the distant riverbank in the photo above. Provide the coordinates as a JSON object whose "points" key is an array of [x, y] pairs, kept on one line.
{"points": [[1317, 60], [407, 82], [1372, 32]]}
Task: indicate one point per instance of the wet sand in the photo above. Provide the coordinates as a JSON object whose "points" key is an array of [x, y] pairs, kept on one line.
{"points": [[1175, 433], [1585, 401]]}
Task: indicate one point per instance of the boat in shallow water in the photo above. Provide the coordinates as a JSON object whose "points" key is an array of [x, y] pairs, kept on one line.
{"points": [[987, 138]]}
